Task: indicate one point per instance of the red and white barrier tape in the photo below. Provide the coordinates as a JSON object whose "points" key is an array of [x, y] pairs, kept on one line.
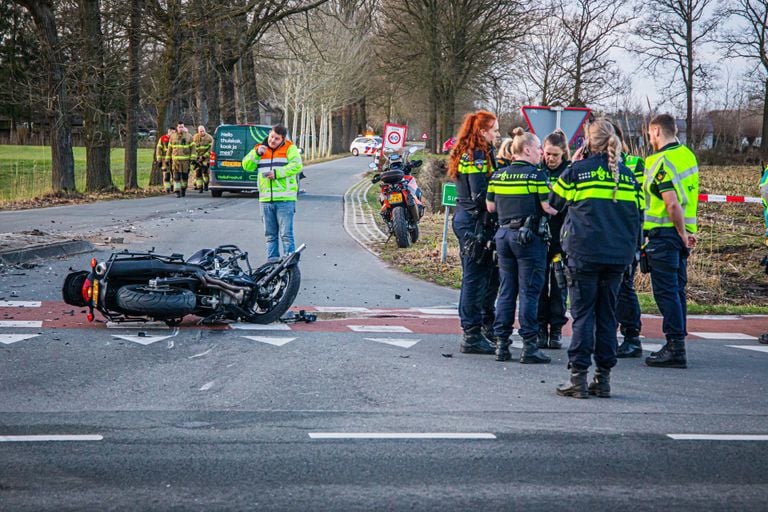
{"points": [[712, 198]]}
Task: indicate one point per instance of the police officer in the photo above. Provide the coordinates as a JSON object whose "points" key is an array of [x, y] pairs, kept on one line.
{"points": [[552, 302], [628, 307], [518, 193], [671, 191], [181, 150], [470, 165], [599, 237]]}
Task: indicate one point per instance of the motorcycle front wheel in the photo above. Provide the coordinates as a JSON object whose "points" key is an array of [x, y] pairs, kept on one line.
{"points": [[156, 303], [281, 293], [400, 227]]}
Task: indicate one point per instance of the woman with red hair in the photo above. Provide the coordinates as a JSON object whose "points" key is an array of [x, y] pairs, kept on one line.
{"points": [[471, 164]]}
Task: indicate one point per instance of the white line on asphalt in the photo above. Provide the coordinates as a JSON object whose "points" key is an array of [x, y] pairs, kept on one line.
{"points": [[756, 348], [723, 336], [404, 343], [278, 342], [48, 437], [341, 309], [20, 303], [713, 317], [7, 339], [438, 311], [718, 437], [21, 323], [379, 328], [147, 339], [400, 435], [137, 325], [260, 327]]}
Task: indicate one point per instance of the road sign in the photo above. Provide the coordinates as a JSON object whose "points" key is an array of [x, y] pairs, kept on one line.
{"points": [[394, 136], [449, 194], [544, 120], [424, 136]]}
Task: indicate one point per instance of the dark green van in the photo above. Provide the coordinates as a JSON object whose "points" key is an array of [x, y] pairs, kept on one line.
{"points": [[231, 142]]}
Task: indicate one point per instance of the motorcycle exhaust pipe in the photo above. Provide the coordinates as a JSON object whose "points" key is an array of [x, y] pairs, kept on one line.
{"points": [[236, 292], [287, 262]]}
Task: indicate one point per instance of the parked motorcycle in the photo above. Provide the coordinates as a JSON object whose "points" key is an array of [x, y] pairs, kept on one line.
{"points": [[215, 284], [401, 207]]}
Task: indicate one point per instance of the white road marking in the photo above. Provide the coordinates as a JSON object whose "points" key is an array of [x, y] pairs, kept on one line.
{"points": [[341, 309], [651, 347], [20, 303], [207, 385], [260, 327], [7, 339], [49, 437], [438, 311], [379, 328], [21, 323], [201, 354], [137, 325], [714, 317], [400, 435], [142, 340], [756, 348], [723, 336], [278, 342], [718, 437], [396, 342]]}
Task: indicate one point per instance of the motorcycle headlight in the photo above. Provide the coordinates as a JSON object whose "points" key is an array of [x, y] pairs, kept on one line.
{"points": [[100, 269]]}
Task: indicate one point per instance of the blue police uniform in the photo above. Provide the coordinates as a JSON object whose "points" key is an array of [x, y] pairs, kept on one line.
{"points": [[517, 192], [552, 302], [628, 311], [600, 237], [479, 280]]}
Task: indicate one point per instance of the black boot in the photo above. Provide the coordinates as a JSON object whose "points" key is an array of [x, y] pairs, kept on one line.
{"points": [[531, 353], [542, 337], [183, 192], [178, 193], [631, 346], [555, 338], [502, 350], [473, 342], [671, 355], [577, 386], [601, 384]]}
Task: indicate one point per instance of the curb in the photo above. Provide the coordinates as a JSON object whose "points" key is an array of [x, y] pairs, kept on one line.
{"points": [[44, 251]]}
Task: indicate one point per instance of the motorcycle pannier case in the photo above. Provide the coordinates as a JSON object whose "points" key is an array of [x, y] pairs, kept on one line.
{"points": [[392, 176]]}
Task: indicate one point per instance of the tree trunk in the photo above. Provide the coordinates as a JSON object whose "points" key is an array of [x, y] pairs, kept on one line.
{"points": [[62, 159], [689, 85], [227, 92], [132, 96], [764, 137], [96, 123], [249, 90], [337, 132]]}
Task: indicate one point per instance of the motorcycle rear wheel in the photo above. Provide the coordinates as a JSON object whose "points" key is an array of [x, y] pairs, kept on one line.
{"points": [[400, 227], [159, 304], [283, 291]]}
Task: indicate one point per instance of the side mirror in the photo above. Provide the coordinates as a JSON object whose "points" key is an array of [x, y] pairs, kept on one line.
{"points": [[373, 165]]}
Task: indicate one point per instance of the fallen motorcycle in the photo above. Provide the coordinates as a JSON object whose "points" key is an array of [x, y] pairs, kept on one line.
{"points": [[218, 285]]}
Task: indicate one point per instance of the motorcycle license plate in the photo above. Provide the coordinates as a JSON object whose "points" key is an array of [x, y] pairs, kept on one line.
{"points": [[396, 197]]}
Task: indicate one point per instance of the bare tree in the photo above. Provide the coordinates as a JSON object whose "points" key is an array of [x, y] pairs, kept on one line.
{"points": [[58, 111], [671, 34], [542, 63], [133, 93], [749, 40]]}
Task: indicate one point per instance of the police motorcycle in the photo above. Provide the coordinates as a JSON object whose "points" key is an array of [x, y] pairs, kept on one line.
{"points": [[218, 285], [400, 197]]}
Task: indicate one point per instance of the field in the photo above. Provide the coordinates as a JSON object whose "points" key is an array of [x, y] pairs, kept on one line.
{"points": [[724, 272], [25, 171]]}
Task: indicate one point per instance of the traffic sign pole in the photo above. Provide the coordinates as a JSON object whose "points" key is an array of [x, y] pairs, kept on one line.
{"points": [[448, 200]]}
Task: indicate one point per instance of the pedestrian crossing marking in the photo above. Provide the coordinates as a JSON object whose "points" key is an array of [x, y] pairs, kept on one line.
{"points": [[147, 339], [379, 328], [278, 342], [7, 339], [20, 303], [404, 343], [723, 336], [21, 323], [260, 327], [756, 348]]}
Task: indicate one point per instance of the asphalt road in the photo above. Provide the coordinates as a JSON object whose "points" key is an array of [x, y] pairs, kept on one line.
{"points": [[207, 419]]}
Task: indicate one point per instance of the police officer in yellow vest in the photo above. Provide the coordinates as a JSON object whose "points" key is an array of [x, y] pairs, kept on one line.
{"points": [[203, 143], [278, 162], [181, 150], [671, 192]]}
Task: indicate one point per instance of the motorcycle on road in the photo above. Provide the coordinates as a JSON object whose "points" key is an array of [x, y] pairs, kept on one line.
{"points": [[401, 206], [215, 284]]}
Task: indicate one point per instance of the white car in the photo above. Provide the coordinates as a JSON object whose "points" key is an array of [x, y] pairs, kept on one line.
{"points": [[365, 145]]}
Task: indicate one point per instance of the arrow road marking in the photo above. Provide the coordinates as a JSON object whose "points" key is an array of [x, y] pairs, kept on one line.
{"points": [[396, 342], [723, 336], [7, 339], [278, 342], [260, 327], [751, 347], [379, 328], [142, 340], [21, 323]]}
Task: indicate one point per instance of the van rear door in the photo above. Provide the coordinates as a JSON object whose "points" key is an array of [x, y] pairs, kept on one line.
{"points": [[231, 144]]}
